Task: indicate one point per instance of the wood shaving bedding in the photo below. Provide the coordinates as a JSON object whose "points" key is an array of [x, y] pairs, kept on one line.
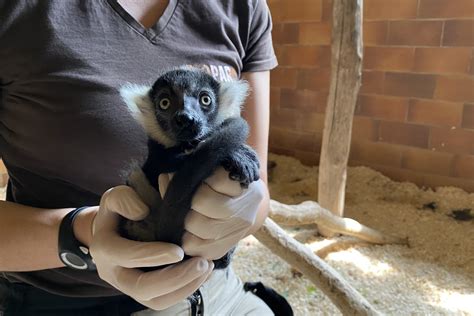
{"points": [[435, 276]]}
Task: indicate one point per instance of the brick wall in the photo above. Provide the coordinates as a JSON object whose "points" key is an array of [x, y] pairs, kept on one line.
{"points": [[415, 113]]}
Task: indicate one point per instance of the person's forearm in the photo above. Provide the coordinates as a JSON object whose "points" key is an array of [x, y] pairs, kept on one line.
{"points": [[29, 236], [257, 114]]}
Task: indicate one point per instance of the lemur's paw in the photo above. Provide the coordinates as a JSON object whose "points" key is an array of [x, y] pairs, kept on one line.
{"points": [[242, 165]]}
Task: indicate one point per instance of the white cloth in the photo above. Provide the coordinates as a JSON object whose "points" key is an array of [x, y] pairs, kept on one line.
{"points": [[223, 295]]}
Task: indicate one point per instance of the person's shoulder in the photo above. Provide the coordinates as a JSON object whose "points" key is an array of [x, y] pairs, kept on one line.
{"points": [[255, 11]]}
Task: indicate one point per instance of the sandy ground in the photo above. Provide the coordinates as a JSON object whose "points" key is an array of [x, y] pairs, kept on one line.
{"points": [[435, 276]]}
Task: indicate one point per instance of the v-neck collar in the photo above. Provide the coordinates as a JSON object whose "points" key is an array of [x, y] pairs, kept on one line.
{"points": [[154, 31]]}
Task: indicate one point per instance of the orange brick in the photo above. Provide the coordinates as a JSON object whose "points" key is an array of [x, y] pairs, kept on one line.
{"points": [[313, 122], [409, 85], [419, 178], [284, 119], [415, 33], [285, 33], [314, 79], [273, 109], [471, 70], [434, 181], [389, 9], [274, 98], [317, 33], [364, 128], [372, 82], [455, 88], [435, 113], [280, 151], [404, 134], [388, 108], [290, 100], [327, 10], [400, 174], [389, 58], [273, 135], [375, 153], [375, 33], [468, 116], [307, 158], [301, 10], [307, 100], [305, 56], [459, 33], [427, 161], [279, 53], [442, 60], [283, 77], [463, 166], [294, 140], [446, 9], [452, 140]]}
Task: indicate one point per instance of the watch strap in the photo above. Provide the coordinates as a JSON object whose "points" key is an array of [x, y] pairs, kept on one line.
{"points": [[71, 248]]}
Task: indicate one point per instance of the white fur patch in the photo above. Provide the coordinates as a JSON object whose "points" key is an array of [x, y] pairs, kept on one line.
{"points": [[142, 109], [232, 96]]}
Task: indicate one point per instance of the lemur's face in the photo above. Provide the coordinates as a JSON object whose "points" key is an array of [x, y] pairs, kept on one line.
{"points": [[186, 105]]}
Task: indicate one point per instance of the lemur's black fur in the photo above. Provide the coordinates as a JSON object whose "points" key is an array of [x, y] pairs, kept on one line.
{"points": [[208, 140]]}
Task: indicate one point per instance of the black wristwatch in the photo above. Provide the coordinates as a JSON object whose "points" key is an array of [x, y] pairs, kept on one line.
{"points": [[73, 253]]}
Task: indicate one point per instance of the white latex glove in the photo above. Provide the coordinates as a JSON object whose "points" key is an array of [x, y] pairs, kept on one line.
{"points": [[117, 258], [222, 214]]}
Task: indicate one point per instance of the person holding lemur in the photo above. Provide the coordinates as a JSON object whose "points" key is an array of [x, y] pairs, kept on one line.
{"points": [[66, 135]]}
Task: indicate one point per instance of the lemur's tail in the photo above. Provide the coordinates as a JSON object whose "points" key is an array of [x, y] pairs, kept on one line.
{"points": [[177, 200]]}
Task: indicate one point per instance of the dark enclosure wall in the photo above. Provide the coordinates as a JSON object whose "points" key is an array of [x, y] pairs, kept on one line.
{"points": [[414, 119]]}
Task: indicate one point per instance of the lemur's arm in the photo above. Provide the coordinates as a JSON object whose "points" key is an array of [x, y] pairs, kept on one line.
{"points": [[221, 145], [256, 112]]}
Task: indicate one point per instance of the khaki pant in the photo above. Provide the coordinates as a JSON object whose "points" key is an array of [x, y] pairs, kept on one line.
{"points": [[223, 295]]}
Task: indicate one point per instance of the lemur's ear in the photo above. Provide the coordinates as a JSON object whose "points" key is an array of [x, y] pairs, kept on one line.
{"points": [[138, 102], [232, 96]]}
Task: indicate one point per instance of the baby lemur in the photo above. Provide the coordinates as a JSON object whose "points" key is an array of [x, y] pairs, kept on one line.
{"points": [[194, 126]]}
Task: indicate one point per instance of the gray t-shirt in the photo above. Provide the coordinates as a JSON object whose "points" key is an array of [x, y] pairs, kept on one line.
{"points": [[65, 134]]}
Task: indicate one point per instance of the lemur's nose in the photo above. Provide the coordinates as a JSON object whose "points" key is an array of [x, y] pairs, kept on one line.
{"points": [[184, 120]]}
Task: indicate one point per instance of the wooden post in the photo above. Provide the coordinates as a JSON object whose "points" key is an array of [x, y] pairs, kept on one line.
{"points": [[346, 66]]}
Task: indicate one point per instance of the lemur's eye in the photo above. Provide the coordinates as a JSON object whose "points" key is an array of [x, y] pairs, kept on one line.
{"points": [[165, 103], [205, 99]]}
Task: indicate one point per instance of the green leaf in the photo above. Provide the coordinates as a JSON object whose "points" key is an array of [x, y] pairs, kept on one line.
{"points": [[311, 289]]}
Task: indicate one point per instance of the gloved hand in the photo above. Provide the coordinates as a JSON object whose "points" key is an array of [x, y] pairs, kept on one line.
{"points": [[222, 213], [117, 258]]}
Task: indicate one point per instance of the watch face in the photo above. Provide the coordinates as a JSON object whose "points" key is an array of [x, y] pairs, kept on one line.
{"points": [[73, 261]]}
